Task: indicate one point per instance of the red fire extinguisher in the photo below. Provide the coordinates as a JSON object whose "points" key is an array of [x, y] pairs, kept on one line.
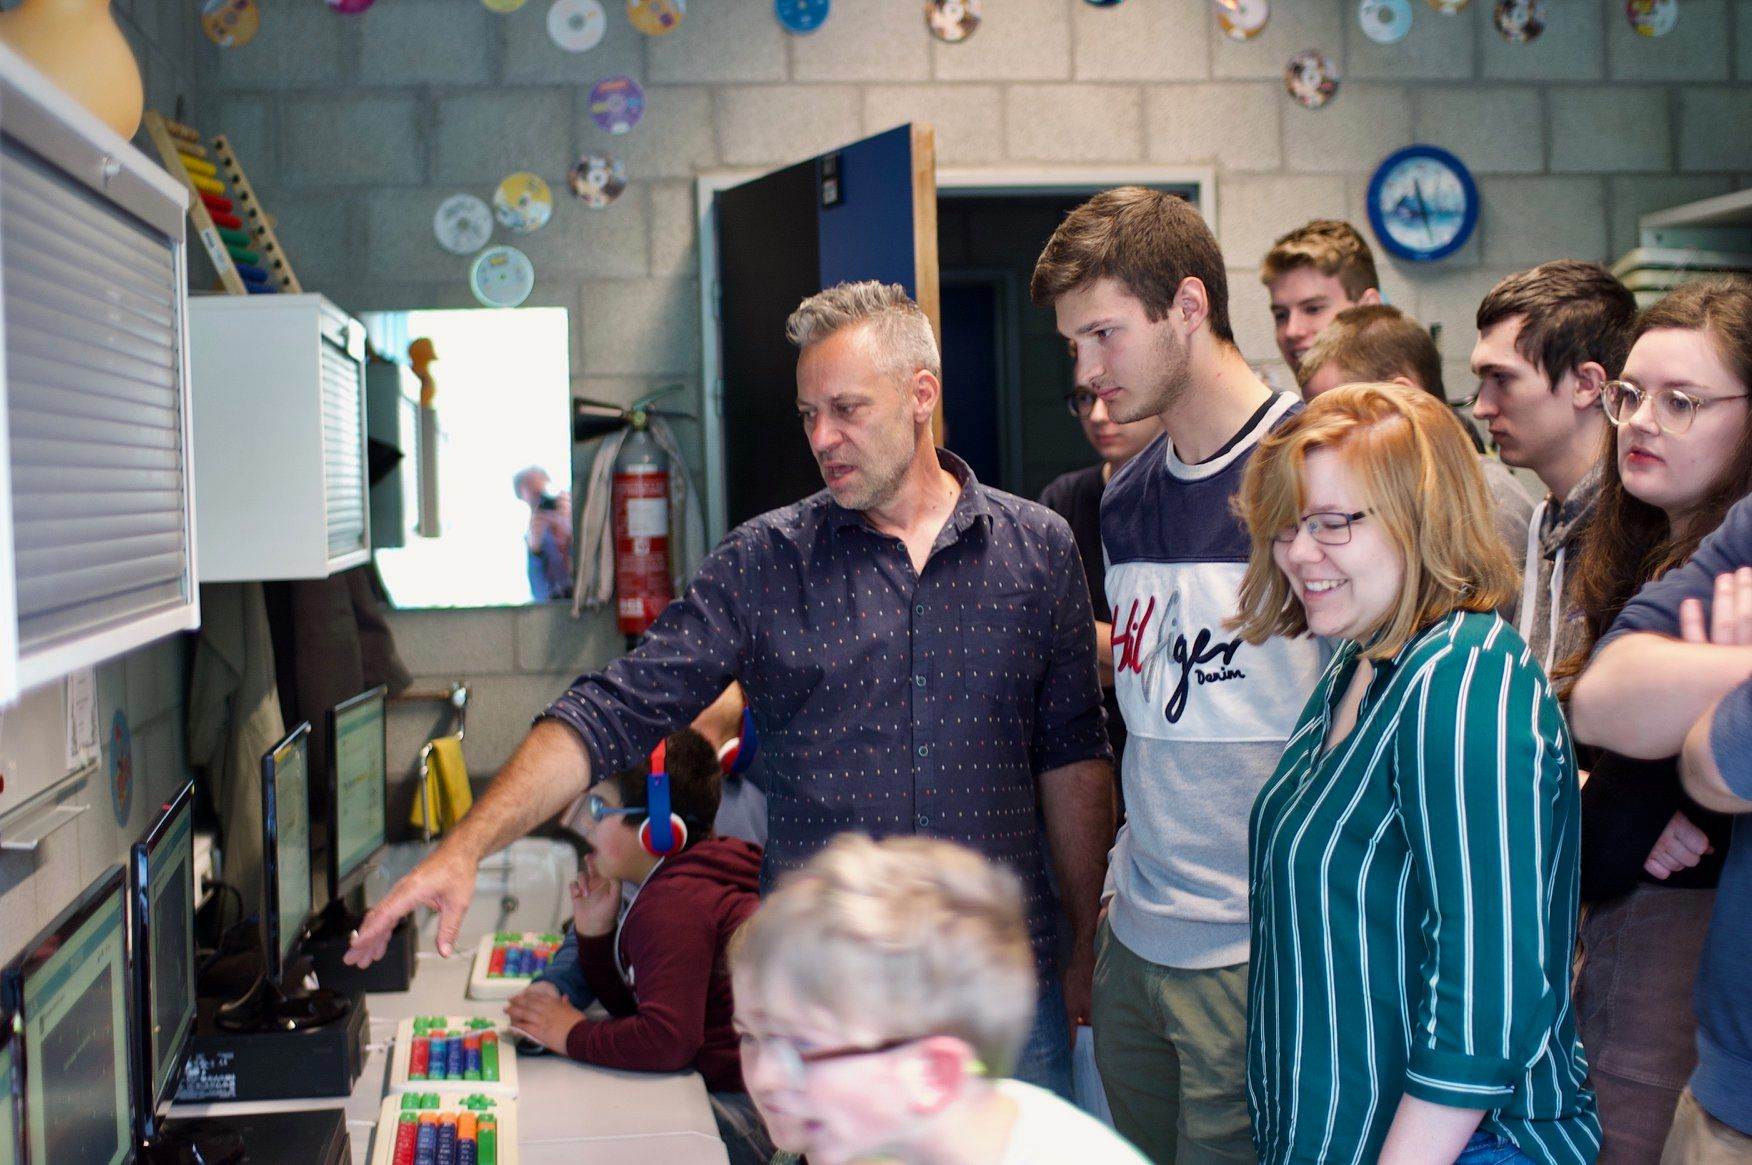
{"points": [[641, 529]]}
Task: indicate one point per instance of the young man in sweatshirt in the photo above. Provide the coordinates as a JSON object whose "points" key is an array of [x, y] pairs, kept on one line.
{"points": [[658, 966]]}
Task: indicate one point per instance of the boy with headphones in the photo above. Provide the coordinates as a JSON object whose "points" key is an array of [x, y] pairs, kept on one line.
{"points": [[657, 966]]}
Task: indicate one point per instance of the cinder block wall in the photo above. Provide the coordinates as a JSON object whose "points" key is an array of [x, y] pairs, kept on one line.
{"points": [[354, 128]]}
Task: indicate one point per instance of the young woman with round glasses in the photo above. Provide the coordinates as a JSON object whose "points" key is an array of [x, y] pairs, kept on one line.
{"points": [[1413, 858], [1679, 455]]}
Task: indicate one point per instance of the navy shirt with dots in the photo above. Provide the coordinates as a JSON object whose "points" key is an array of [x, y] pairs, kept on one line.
{"points": [[887, 701]]}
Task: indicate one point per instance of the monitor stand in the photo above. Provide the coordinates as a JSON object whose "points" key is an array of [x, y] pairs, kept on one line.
{"points": [[196, 1142], [311, 1137]]}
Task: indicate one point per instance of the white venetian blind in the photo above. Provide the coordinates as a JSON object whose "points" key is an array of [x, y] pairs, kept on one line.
{"points": [[343, 450], [95, 416]]}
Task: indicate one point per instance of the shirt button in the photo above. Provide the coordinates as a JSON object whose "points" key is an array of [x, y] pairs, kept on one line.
{"points": [[924, 750], [919, 610], [924, 822], [918, 681]]}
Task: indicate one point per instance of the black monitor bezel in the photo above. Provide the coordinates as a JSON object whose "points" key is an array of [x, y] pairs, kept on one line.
{"points": [[12, 1033], [147, 1096], [112, 882], [342, 885], [272, 924]]}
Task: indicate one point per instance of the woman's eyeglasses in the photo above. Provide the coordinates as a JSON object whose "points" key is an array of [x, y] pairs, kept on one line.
{"points": [[1674, 409], [1327, 527]]}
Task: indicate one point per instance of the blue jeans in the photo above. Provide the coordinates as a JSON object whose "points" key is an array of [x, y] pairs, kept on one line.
{"points": [[1489, 1149], [1045, 1059]]}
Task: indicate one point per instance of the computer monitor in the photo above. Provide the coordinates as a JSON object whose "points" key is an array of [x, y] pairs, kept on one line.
{"points": [[70, 989], [357, 790], [272, 1002], [11, 1089], [161, 930]]}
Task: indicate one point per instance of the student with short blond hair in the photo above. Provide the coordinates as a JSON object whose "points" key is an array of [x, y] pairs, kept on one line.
{"points": [[1414, 855], [882, 994], [1312, 274]]}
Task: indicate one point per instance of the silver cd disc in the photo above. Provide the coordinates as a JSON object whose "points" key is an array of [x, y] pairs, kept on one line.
{"points": [[577, 25], [1385, 21], [463, 224]]}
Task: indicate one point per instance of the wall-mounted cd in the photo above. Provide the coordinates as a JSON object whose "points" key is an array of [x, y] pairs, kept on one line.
{"points": [[1384, 21], [502, 7], [952, 21], [230, 24], [1241, 19], [463, 224], [1311, 78], [1449, 7], [597, 180], [800, 15], [1519, 21], [656, 17], [501, 277], [617, 103], [576, 25], [1652, 17], [350, 5], [523, 203]]}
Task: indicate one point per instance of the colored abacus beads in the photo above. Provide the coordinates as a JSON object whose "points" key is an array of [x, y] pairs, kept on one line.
{"points": [[521, 956]]}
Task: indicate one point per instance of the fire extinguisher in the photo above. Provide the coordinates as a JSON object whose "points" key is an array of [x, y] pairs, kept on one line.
{"points": [[641, 529]]}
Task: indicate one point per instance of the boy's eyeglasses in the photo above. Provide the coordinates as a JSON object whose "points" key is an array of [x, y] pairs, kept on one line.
{"points": [[1328, 527], [598, 809], [1080, 403], [1674, 410], [794, 1061]]}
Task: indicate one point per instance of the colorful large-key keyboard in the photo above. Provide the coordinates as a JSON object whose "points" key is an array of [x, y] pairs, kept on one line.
{"points": [[509, 962], [446, 1128], [453, 1051]]}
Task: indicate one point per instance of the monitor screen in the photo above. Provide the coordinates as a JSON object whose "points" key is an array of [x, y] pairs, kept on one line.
{"points": [[357, 826], [286, 845], [11, 1120], [70, 987], [163, 894]]}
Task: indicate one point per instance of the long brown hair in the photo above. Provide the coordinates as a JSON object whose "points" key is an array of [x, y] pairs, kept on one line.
{"points": [[1630, 542]]}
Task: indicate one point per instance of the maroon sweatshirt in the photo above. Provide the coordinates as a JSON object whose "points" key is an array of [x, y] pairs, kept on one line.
{"points": [[672, 1010]]}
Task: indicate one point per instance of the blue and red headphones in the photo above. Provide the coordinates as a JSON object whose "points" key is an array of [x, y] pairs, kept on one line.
{"points": [[664, 832]]}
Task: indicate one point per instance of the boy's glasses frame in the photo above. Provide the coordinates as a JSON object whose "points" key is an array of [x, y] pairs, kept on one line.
{"points": [[597, 808]]}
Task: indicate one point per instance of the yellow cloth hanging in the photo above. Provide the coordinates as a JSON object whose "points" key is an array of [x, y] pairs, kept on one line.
{"points": [[446, 786]]}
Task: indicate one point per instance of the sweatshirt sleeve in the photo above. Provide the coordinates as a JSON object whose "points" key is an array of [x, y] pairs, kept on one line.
{"points": [[564, 972], [1481, 773], [672, 954], [596, 967]]}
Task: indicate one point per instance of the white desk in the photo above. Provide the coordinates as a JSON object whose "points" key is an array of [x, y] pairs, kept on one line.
{"points": [[566, 1111]]}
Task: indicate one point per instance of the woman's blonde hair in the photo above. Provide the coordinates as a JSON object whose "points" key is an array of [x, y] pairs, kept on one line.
{"points": [[902, 938], [1419, 478]]}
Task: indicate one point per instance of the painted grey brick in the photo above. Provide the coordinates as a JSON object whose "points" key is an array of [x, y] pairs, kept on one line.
{"points": [[1233, 124], [1494, 129], [1696, 50], [1257, 208], [304, 47], [154, 679], [641, 327], [1634, 197], [416, 44], [1250, 315], [968, 119], [864, 42], [1165, 40], [674, 227], [673, 140], [1450, 297], [248, 124], [1572, 48], [1743, 40], [1610, 129], [1360, 127], [1438, 47], [1527, 221], [340, 141], [761, 125], [482, 136], [1073, 123], [529, 57], [320, 234], [719, 42], [456, 643], [550, 640], [1292, 28], [1019, 40], [1713, 133]]}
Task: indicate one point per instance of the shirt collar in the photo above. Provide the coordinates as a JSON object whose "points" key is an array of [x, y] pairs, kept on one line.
{"points": [[971, 506]]}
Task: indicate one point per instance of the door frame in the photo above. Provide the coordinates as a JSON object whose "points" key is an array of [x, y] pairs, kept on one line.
{"points": [[951, 182]]}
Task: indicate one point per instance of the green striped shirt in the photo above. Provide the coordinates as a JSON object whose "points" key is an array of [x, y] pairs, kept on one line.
{"points": [[1414, 908]]}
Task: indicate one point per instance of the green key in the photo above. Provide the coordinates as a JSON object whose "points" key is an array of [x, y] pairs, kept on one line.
{"points": [[487, 1141]]}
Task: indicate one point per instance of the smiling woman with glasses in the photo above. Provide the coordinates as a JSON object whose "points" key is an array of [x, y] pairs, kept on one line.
{"points": [[1413, 858], [1679, 454]]}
